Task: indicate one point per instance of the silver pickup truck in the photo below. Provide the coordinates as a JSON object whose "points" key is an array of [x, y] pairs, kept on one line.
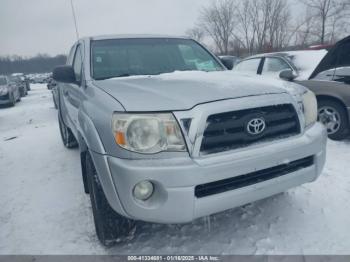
{"points": [[166, 134]]}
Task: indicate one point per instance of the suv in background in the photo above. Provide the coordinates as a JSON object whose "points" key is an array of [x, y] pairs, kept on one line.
{"points": [[326, 74], [166, 134], [19, 80]]}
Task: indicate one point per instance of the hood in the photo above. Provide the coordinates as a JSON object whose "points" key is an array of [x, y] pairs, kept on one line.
{"points": [[184, 90]]}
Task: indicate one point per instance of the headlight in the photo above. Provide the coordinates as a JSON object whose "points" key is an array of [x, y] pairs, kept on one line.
{"points": [[147, 133], [309, 103], [3, 90]]}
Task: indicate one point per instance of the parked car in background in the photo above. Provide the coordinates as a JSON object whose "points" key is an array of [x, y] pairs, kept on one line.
{"points": [[27, 81], [229, 61], [167, 134], [52, 85], [9, 92], [19, 80], [302, 63], [327, 74]]}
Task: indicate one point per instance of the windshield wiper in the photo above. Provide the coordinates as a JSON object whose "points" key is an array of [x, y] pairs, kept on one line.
{"points": [[109, 77]]}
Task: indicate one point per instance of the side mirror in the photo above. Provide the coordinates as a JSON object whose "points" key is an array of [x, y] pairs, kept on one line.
{"points": [[287, 75], [228, 62], [64, 74], [347, 79]]}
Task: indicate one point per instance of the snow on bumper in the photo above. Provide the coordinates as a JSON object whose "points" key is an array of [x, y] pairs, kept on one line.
{"points": [[174, 199]]}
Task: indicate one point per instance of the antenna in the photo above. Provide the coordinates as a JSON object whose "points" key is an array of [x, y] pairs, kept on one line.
{"points": [[75, 19]]}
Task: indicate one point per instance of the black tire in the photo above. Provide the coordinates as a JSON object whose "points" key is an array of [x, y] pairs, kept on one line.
{"points": [[12, 102], [22, 92], [342, 128], [54, 102], [67, 136], [111, 227]]}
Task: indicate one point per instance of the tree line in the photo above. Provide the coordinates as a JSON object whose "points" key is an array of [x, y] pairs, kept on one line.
{"points": [[39, 64], [254, 26]]}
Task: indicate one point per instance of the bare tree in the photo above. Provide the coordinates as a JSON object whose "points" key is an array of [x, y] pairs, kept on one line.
{"points": [[327, 16], [253, 26], [301, 32], [218, 21], [196, 33], [263, 25], [245, 31]]}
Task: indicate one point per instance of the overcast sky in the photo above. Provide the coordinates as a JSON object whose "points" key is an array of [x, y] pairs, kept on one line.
{"points": [[29, 27]]}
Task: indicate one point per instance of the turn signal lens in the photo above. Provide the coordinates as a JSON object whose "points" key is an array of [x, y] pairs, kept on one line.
{"points": [[120, 138]]}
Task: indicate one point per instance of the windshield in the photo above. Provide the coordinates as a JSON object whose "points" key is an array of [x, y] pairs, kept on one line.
{"points": [[15, 78], [3, 81], [306, 61], [129, 57]]}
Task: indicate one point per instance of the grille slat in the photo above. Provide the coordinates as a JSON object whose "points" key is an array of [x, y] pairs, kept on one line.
{"points": [[225, 185], [227, 131]]}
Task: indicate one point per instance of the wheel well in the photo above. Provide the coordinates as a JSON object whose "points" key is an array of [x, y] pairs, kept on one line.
{"points": [[83, 151], [334, 99]]}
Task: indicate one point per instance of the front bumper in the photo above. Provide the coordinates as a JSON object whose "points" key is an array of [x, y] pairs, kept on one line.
{"points": [[175, 179], [5, 99]]}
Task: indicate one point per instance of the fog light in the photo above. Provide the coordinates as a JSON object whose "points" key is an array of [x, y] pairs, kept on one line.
{"points": [[143, 190]]}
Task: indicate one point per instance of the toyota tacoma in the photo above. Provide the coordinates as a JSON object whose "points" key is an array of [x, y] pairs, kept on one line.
{"points": [[167, 134]]}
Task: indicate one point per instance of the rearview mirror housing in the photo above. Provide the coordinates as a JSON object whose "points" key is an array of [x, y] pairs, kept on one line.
{"points": [[64, 74], [287, 74]]}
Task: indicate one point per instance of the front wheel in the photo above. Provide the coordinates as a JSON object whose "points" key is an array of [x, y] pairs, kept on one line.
{"points": [[110, 226], [333, 115], [23, 92]]}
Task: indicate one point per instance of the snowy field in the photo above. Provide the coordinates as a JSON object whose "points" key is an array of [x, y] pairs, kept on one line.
{"points": [[43, 209]]}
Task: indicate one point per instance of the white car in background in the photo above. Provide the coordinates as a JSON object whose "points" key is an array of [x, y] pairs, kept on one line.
{"points": [[302, 63]]}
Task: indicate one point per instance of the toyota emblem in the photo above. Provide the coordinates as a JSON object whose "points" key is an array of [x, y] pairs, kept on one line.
{"points": [[256, 126]]}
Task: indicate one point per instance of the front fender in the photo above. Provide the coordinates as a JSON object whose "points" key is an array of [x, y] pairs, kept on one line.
{"points": [[89, 135]]}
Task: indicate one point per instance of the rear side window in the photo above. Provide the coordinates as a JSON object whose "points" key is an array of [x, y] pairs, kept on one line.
{"points": [[248, 66], [274, 65], [77, 64]]}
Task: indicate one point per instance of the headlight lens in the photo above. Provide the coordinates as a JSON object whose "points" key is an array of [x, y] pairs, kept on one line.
{"points": [[309, 103], [147, 133]]}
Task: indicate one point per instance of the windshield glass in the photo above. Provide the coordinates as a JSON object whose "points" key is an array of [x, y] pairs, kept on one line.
{"points": [[15, 78], [128, 57], [306, 61], [2, 81]]}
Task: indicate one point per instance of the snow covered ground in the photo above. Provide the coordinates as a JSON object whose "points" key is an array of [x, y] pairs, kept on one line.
{"points": [[43, 209]]}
